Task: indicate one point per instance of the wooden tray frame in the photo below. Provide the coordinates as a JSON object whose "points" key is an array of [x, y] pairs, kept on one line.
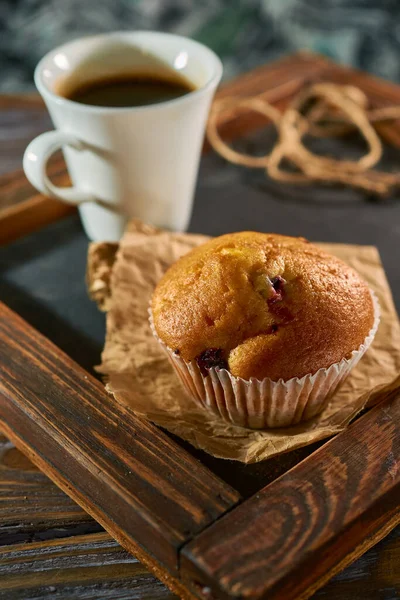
{"points": [[189, 527]]}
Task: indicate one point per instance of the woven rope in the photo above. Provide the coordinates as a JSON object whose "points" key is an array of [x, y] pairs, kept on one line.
{"points": [[322, 110]]}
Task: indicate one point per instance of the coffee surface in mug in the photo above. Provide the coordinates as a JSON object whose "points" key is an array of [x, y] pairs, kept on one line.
{"points": [[130, 90]]}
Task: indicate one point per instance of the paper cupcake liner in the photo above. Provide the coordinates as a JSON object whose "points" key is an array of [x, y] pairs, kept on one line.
{"points": [[266, 404]]}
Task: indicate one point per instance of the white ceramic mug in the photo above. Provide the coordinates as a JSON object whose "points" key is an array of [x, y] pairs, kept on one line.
{"points": [[125, 162]]}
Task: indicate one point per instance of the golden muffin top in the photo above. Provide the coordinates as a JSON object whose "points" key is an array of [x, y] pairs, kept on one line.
{"points": [[262, 305]]}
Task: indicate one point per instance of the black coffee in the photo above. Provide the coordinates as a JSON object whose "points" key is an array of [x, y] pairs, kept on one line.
{"points": [[129, 91]]}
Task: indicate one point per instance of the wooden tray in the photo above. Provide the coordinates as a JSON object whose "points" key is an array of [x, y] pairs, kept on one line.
{"points": [[208, 529]]}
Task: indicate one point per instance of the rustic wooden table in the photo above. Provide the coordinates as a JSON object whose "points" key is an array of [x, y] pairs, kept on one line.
{"points": [[49, 547]]}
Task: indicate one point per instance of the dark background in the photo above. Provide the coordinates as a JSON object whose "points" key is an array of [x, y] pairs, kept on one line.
{"points": [[245, 33]]}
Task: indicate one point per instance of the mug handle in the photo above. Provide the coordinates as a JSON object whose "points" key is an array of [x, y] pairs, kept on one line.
{"points": [[35, 160]]}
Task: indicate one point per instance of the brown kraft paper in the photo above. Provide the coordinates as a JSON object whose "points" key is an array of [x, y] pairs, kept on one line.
{"points": [[139, 375]]}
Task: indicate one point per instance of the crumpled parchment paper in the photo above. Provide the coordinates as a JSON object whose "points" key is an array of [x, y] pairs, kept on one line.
{"points": [[121, 280]]}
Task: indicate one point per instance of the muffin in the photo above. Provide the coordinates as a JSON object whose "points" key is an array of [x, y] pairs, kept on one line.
{"points": [[262, 328]]}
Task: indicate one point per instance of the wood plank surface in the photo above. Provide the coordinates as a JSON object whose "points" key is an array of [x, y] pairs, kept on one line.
{"points": [[27, 342], [291, 537], [374, 576], [150, 494], [84, 567], [15, 188], [35, 212], [79, 566], [94, 566], [22, 117], [34, 512], [22, 208], [30, 504]]}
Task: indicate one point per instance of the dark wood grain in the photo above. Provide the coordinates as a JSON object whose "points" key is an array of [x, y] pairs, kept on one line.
{"points": [[34, 512], [137, 483], [84, 567], [309, 523], [22, 209], [26, 348], [25, 116], [374, 576], [95, 566], [30, 215], [81, 566], [31, 506], [15, 188]]}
